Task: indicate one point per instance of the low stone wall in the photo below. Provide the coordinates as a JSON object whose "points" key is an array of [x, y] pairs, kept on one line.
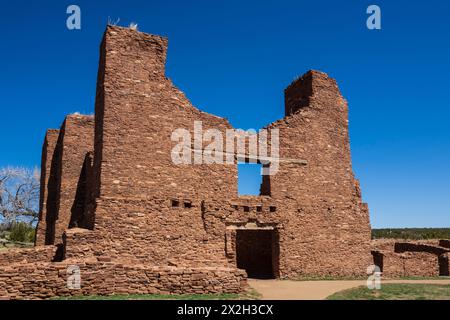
{"points": [[403, 258], [45, 280], [444, 243], [411, 264], [28, 255], [80, 243]]}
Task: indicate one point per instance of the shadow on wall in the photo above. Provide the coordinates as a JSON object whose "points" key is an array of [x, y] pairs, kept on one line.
{"points": [[443, 265], [52, 192], [81, 216]]}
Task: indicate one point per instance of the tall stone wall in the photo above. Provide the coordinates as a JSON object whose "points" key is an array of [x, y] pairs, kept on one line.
{"points": [[74, 142], [328, 230], [147, 231], [136, 181], [140, 213], [48, 150], [137, 110], [114, 184], [45, 280]]}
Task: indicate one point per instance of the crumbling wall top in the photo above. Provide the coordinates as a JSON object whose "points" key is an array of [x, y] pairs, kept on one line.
{"points": [[143, 54], [313, 83]]}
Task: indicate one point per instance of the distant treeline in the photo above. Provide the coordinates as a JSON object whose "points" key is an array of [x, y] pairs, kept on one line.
{"points": [[412, 233]]}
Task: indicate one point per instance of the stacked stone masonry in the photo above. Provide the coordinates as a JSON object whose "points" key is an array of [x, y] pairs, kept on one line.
{"points": [[426, 258], [44, 280], [114, 203]]}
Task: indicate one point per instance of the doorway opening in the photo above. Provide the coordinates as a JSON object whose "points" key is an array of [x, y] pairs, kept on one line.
{"points": [[257, 253], [443, 265], [378, 259]]}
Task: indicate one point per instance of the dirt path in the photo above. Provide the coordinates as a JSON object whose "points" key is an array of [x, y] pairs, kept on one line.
{"points": [[314, 290]]}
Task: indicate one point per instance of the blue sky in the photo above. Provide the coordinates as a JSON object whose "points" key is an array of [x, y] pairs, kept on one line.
{"points": [[234, 59]]}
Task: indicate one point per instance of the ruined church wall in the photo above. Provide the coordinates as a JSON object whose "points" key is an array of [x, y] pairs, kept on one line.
{"points": [[153, 232], [328, 229], [310, 243], [75, 140], [317, 133], [327, 224], [137, 110], [318, 241], [322, 225]]}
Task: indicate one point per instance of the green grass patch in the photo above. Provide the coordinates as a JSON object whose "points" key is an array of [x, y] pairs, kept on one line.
{"points": [[423, 278], [326, 278], [15, 245], [224, 296], [251, 294], [403, 291]]}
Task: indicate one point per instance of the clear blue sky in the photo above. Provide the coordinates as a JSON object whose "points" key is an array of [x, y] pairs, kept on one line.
{"points": [[234, 60]]}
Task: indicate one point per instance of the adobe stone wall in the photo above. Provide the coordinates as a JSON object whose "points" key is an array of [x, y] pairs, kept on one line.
{"points": [[403, 258], [48, 150], [148, 231], [145, 212], [46, 280], [137, 110], [27, 255], [306, 243], [329, 227], [325, 224], [74, 142], [444, 243], [116, 205]]}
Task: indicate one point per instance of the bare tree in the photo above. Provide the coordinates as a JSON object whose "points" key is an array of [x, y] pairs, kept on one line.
{"points": [[19, 193]]}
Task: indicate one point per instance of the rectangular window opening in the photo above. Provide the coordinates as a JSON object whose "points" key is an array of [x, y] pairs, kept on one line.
{"points": [[249, 179]]}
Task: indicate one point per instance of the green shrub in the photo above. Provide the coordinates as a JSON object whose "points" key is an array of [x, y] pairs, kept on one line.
{"points": [[21, 232]]}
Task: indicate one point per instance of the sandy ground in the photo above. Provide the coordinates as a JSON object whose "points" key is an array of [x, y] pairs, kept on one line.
{"points": [[314, 290]]}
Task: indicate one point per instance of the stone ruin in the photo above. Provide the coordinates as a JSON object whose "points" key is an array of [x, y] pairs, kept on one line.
{"points": [[114, 204], [422, 258]]}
